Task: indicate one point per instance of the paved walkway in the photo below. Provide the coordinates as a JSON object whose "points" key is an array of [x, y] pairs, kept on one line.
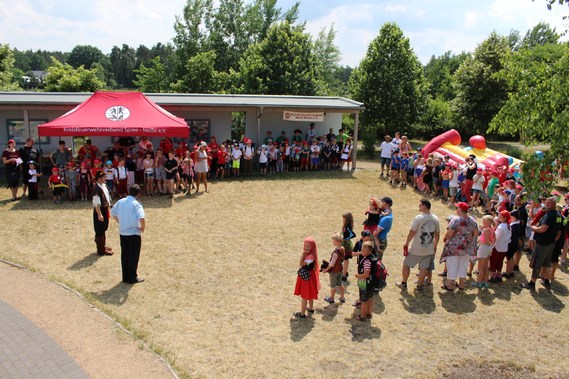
{"points": [[26, 351], [48, 331]]}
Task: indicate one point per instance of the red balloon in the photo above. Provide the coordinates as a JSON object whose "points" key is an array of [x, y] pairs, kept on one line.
{"points": [[478, 142]]}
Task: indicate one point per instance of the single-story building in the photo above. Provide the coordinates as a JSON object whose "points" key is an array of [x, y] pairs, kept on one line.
{"points": [[206, 115]]}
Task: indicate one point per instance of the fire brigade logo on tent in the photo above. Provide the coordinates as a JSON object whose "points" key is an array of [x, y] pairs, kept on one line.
{"points": [[117, 113]]}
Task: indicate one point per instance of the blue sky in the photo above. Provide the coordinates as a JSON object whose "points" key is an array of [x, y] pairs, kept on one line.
{"points": [[432, 26]]}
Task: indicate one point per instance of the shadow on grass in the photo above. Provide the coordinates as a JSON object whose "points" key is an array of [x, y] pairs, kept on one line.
{"points": [[378, 305], [362, 330], [559, 289], [116, 295], [420, 302], [547, 300], [300, 327], [329, 311], [85, 262], [458, 301]]}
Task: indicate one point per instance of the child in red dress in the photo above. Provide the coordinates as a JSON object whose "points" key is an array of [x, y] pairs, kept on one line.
{"points": [[308, 289]]}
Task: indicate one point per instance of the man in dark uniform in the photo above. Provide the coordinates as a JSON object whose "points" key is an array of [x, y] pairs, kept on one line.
{"points": [[546, 234], [27, 153], [101, 206]]}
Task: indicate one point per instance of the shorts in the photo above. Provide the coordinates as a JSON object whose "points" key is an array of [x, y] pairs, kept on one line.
{"points": [[148, 174], [335, 279], [453, 191], [57, 191], [110, 184], [412, 260], [303, 161], [540, 257], [435, 180], [170, 175], [263, 165], [160, 173], [348, 247], [476, 191], [385, 161], [484, 251], [366, 294], [315, 161], [236, 163], [446, 183]]}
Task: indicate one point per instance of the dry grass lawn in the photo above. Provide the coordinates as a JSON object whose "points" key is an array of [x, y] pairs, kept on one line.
{"points": [[220, 269]]}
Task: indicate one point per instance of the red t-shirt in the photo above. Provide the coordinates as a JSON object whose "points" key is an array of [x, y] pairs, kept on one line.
{"points": [[54, 179], [221, 157]]}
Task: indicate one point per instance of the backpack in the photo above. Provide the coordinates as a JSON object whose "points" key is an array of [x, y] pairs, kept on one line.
{"points": [[378, 274]]}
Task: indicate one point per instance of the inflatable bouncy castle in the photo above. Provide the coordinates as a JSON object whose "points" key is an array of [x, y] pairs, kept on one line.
{"points": [[448, 144]]}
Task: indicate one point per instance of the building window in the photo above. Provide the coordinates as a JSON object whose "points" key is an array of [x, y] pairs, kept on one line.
{"points": [[199, 131], [18, 131]]}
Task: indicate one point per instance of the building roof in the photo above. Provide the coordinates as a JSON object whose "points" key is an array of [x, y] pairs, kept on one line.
{"points": [[202, 101]]}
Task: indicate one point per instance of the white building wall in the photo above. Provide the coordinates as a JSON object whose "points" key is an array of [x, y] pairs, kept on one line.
{"points": [[274, 122]]}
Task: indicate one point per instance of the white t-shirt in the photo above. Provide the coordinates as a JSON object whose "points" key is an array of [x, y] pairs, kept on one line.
{"points": [[33, 178], [236, 154], [454, 180], [425, 225], [478, 182], [263, 156], [386, 149], [503, 236]]}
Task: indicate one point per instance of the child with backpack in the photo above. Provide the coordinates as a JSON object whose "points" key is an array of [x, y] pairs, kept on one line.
{"points": [[334, 269], [365, 282]]}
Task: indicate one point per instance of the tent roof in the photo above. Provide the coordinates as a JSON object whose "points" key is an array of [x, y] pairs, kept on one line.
{"points": [[116, 114]]}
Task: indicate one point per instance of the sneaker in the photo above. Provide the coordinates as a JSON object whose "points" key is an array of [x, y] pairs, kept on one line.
{"points": [[419, 288], [486, 285], [546, 284], [444, 273], [342, 300], [299, 315], [402, 285], [329, 300], [528, 286]]}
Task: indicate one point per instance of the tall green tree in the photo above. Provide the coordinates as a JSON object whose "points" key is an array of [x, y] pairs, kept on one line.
{"points": [[202, 77], [328, 56], [62, 77], [123, 62], [85, 55], [153, 78], [390, 83], [189, 32], [6, 67], [541, 34], [538, 107], [282, 64], [480, 93], [439, 73]]}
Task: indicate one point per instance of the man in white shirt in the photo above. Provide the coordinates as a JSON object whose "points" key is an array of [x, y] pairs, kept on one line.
{"points": [[386, 150], [425, 233]]}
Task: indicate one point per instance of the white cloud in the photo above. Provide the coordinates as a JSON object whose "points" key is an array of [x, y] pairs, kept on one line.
{"points": [[396, 8]]}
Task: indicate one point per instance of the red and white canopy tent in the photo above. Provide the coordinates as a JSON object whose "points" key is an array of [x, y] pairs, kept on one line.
{"points": [[116, 114]]}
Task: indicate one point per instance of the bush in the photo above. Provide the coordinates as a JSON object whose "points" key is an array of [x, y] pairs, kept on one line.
{"points": [[369, 137], [515, 152]]}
